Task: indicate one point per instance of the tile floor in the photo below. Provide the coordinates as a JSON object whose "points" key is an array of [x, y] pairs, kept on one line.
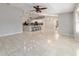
{"points": [[38, 44]]}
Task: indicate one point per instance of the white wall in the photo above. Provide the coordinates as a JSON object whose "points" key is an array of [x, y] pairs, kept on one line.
{"points": [[66, 25], [10, 20], [49, 24]]}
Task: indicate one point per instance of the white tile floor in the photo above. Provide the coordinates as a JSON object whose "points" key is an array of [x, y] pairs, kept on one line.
{"points": [[38, 44]]}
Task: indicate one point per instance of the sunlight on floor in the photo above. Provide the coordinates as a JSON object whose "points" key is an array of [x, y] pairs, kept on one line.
{"points": [[50, 43], [56, 35], [77, 52]]}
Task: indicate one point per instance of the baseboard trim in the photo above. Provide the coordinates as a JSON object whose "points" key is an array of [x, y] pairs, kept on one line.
{"points": [[76, 36], [65, 34], [10, 34]]}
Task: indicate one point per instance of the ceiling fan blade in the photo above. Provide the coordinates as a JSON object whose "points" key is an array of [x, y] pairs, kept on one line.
{"points": [[34, 7], [43, 8]]}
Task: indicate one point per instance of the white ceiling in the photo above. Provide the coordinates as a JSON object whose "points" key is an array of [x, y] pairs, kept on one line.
{"points": [[53, 8]]}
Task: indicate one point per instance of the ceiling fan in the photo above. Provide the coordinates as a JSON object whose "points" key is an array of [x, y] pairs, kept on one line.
{"points": [[38, 9]]}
